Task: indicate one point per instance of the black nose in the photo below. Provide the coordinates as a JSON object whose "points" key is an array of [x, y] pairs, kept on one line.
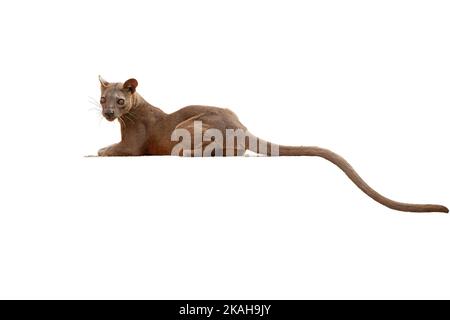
{"points": [[109, 113]]}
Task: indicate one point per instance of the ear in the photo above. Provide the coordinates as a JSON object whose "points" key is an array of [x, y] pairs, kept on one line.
{"points": [[103, 82], [130, 85]]}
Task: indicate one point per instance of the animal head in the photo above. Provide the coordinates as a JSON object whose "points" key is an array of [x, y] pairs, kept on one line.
{"points": [[117, 99]]}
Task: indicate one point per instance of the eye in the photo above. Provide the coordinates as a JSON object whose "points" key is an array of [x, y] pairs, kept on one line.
{"points": [[120, 102], [103, 100]]}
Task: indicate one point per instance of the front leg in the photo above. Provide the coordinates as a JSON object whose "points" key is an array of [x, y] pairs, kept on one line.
{"points": [[117, 150]]}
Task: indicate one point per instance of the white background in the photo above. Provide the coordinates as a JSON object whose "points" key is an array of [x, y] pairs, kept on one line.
{"points": [[368, 79]]}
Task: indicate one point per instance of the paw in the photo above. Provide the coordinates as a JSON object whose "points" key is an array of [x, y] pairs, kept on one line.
{"points": [[103, 152]]}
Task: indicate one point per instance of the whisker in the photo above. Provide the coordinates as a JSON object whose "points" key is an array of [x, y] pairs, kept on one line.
{"points": [[95, 103], [94, 109], [93, 100], [96, 106]]}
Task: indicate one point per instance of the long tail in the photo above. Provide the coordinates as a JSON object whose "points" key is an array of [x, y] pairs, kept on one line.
{"points": [[274, 150]]}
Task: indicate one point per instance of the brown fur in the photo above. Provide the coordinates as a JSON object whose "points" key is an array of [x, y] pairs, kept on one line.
{"points": [[146, 130]]}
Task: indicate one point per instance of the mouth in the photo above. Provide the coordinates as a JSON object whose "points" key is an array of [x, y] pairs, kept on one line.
{"points": [[109, 118]]}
